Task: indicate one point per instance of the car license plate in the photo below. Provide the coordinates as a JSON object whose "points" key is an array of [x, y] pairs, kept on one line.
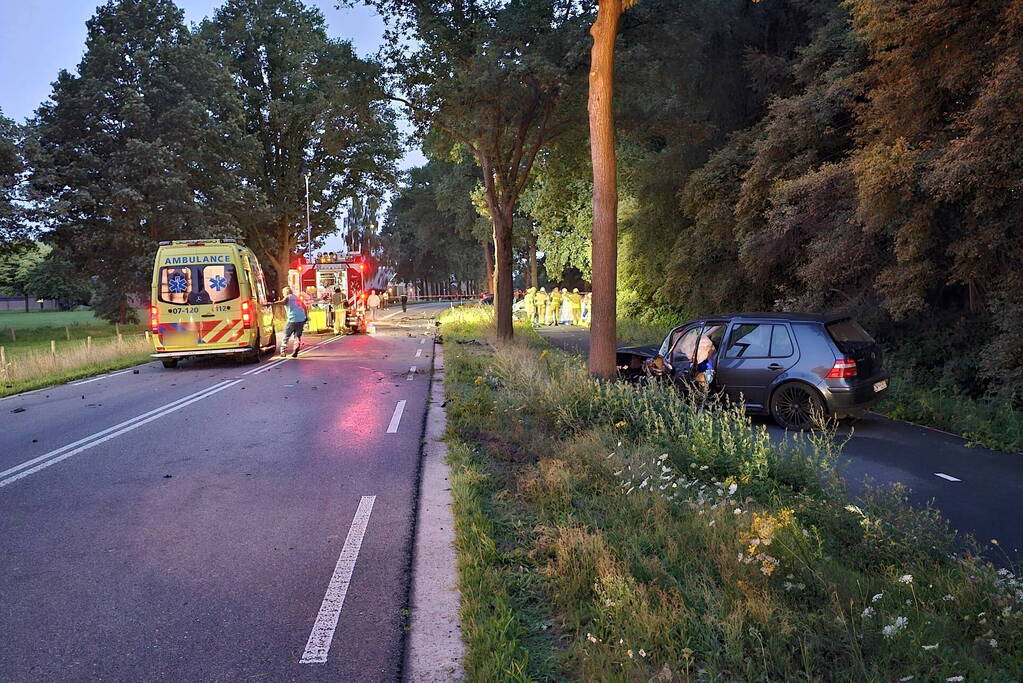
{"points": [[880, 386]]}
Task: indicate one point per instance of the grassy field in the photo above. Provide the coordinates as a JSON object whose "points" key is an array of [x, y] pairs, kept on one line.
{"points": [[31, 364], [21, 320], [613, 532]]}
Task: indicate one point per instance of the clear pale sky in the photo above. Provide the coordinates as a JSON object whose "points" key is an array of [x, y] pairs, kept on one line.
{"points": [[38, 38]]}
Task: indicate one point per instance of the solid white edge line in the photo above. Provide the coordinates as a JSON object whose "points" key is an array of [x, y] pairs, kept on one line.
{"points": [[58, 451], [320, 637], [23, 393], [399, 408], [946, 476], [96, 442], [94, 379]]}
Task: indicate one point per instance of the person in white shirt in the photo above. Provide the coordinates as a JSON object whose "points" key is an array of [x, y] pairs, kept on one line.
{"points": [[373, 303]]}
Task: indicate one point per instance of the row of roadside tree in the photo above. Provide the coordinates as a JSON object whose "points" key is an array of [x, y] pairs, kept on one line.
{"points": [[166, 131]]}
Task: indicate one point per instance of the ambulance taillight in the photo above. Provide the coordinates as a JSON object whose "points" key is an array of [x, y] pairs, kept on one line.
{"points": [[154, 319], [247, 314]]}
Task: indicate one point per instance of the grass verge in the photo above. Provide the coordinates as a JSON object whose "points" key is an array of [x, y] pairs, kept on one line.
{"points": [[34, 369], [613, 532]]}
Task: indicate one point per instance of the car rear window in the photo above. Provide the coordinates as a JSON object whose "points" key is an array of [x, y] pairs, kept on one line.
{"points": [[848, 330], [196, 285]]}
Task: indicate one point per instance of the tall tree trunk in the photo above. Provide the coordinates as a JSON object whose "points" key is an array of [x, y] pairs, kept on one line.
{"points": [[531, 253], [281, 265], [488, 260], [603, 338], [503, 273]]}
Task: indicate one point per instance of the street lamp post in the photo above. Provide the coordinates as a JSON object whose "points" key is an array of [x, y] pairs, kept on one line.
{"points": [[308, 223]]}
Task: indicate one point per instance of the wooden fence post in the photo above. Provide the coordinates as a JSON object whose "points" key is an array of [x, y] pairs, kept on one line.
{"points": [[53, 347], [14, 337], [88, 342], [67, 332]]}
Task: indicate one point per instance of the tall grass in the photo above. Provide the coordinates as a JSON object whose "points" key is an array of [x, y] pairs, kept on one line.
{"points": [[663, 537], [37, 368]]}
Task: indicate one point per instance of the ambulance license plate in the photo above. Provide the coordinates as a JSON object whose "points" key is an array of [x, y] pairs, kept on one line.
{"points": [[179, 339], [880, 386]]}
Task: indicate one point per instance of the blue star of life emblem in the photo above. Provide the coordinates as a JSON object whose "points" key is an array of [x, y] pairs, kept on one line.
{"points": [[218, 282], [177, 284]]}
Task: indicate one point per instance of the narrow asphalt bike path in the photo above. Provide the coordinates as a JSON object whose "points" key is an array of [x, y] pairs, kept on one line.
{"points": [[211, 522], [979, 491]]}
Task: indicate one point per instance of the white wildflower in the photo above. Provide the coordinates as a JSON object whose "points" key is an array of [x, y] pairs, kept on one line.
{"points": [[895, 627], [737, 511], [906, 678], [663, 456], [948, 598], [955, 679], [868, 612], [877, 597], [993, 642], [906, 578], [642, 653], [732, 488], [704, 467], [930, 647]]}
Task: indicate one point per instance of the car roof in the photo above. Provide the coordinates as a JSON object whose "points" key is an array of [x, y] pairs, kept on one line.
{"points": [[787, 317]]}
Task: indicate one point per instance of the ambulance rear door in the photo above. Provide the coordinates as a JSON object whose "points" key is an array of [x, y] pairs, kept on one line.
{"points": [[199, 300]]}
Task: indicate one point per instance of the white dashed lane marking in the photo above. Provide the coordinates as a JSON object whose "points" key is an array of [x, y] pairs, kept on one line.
{"points": [[318, 646], [946, 476], [419, 353], [399, 408]]}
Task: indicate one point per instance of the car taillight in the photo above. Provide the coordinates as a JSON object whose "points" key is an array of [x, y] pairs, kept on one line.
{"points": [[154, 319], [843, 369], [247, 314]]}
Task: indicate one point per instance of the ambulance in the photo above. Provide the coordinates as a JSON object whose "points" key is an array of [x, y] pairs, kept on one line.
{"points": [[209, 297]]}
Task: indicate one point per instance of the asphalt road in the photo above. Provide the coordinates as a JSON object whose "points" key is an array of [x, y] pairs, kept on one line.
{"points": [[979, 491], [208, 522]]}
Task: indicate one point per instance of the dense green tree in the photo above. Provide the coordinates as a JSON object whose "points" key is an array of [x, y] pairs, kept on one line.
{"points": [[56, 277], [16, 268], [314, 107], [139, 146], [14, 229], [495, 81], [425, 236]]}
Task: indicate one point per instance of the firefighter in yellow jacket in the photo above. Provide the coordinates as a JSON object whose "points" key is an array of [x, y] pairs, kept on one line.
{"points": [[529, 302], [554, 307], [540, 316], [575, 301]]}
